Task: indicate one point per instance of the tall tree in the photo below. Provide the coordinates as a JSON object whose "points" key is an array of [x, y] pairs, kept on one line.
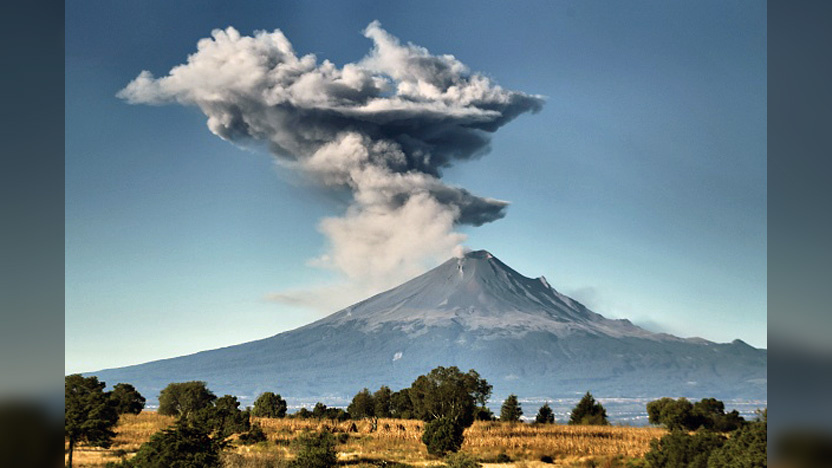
{"points": [[511, 409], [545, 415], [127, 399], [269, 405], [89, 413], [589, 412], [400, 404], [444, 392], [382, 402], [184, 399], [362, 405]]}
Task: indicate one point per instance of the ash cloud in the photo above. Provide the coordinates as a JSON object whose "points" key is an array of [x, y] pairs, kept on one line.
{"points": [[384, 128]]}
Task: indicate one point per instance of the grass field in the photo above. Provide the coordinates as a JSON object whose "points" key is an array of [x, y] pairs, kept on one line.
{"points": [[400, 441]]}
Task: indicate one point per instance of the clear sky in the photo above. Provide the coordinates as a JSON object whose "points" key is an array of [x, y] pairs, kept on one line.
{"points": [[639, 189]]}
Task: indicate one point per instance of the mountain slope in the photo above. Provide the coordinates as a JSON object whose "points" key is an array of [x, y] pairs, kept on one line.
{"points": [[472, 312]]}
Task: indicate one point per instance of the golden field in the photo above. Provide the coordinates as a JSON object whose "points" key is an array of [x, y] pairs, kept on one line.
{"points": [[400, 441]]}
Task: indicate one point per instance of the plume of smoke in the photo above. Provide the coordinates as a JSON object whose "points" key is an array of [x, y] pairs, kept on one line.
{"points": [[383, 128]]}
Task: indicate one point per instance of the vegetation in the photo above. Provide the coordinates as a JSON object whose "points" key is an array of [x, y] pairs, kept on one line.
{"points": [[680, 449], [443, 435], [315, 450], [183, 446], [126, 399], [89, 413], [183, 399], [746, 448], [545, 415], [511, 410], [681, 414], [588, 412], [461, 460], [269, 405]]}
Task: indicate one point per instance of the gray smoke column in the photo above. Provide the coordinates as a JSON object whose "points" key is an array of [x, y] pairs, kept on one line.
{"points": [[383, 128]]}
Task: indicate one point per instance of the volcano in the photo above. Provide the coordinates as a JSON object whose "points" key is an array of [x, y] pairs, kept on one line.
{"points": [[474, 312]]}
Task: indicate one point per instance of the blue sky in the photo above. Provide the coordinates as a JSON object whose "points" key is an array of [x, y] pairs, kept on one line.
{"points": [[640, 188]]}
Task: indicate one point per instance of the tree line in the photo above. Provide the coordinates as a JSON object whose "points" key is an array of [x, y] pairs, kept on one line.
{"points": [[446, 399]]}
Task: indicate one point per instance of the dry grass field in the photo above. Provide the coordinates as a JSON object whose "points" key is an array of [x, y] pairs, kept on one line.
{"points": [[400, 441]]}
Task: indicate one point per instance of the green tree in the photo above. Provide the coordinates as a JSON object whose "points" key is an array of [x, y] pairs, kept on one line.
{"points": [[382, 402], [511, 410], [545, 415], [445, 392], [588, 412], [400, 404], [673, 414], [223, 417], [443, 435], [269, 405], [362, 405], [746, 448], [89, 413], [315, 450], [682, 450], [183, 399], [710, 413], [184, 446], [127, 399]]}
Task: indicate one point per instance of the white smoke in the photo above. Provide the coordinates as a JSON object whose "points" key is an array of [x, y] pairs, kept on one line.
{"points": [[383, 128]]}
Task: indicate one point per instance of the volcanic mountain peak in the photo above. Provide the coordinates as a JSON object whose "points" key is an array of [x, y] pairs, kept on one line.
{"points": [[479, 292]]}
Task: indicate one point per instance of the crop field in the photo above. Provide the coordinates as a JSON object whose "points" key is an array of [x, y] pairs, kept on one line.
{"points": [[399, 441]]}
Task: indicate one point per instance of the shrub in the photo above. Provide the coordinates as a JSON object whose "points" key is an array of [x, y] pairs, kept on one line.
{"points": [[184, 446], [461, 460], [253, 436], [682, 450], [546, 459], [442, 436], [315, 450], [502, 458], [747, 447]]}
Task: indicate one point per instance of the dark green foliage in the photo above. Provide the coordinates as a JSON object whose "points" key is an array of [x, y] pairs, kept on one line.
{"points": [[709, 413], [502, 458], [362, 405], [319, 411], [484, 414], [443, 435], [303, 413], [588, 412], [269, 405], [400, 404], [315, 450], [89, 413], [223, 417], [461, 460], [545, 415], [446, 392], [511, 410], [673, 414], [746, 448], [253, 436], [681, 450], [382, 402], [183, 446], [127, 399], [183, 399]]}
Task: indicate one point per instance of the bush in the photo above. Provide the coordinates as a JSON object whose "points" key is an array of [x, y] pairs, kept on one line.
{"points": [[546, 459], [184, 446], [682, 450], [511, 410], [461, 460], [315, 450], [747, 447], [442, 436], [502, 458], [253, 436]]}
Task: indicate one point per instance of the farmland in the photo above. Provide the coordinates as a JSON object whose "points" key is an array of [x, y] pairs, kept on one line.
{"points": [[399, 441]]}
